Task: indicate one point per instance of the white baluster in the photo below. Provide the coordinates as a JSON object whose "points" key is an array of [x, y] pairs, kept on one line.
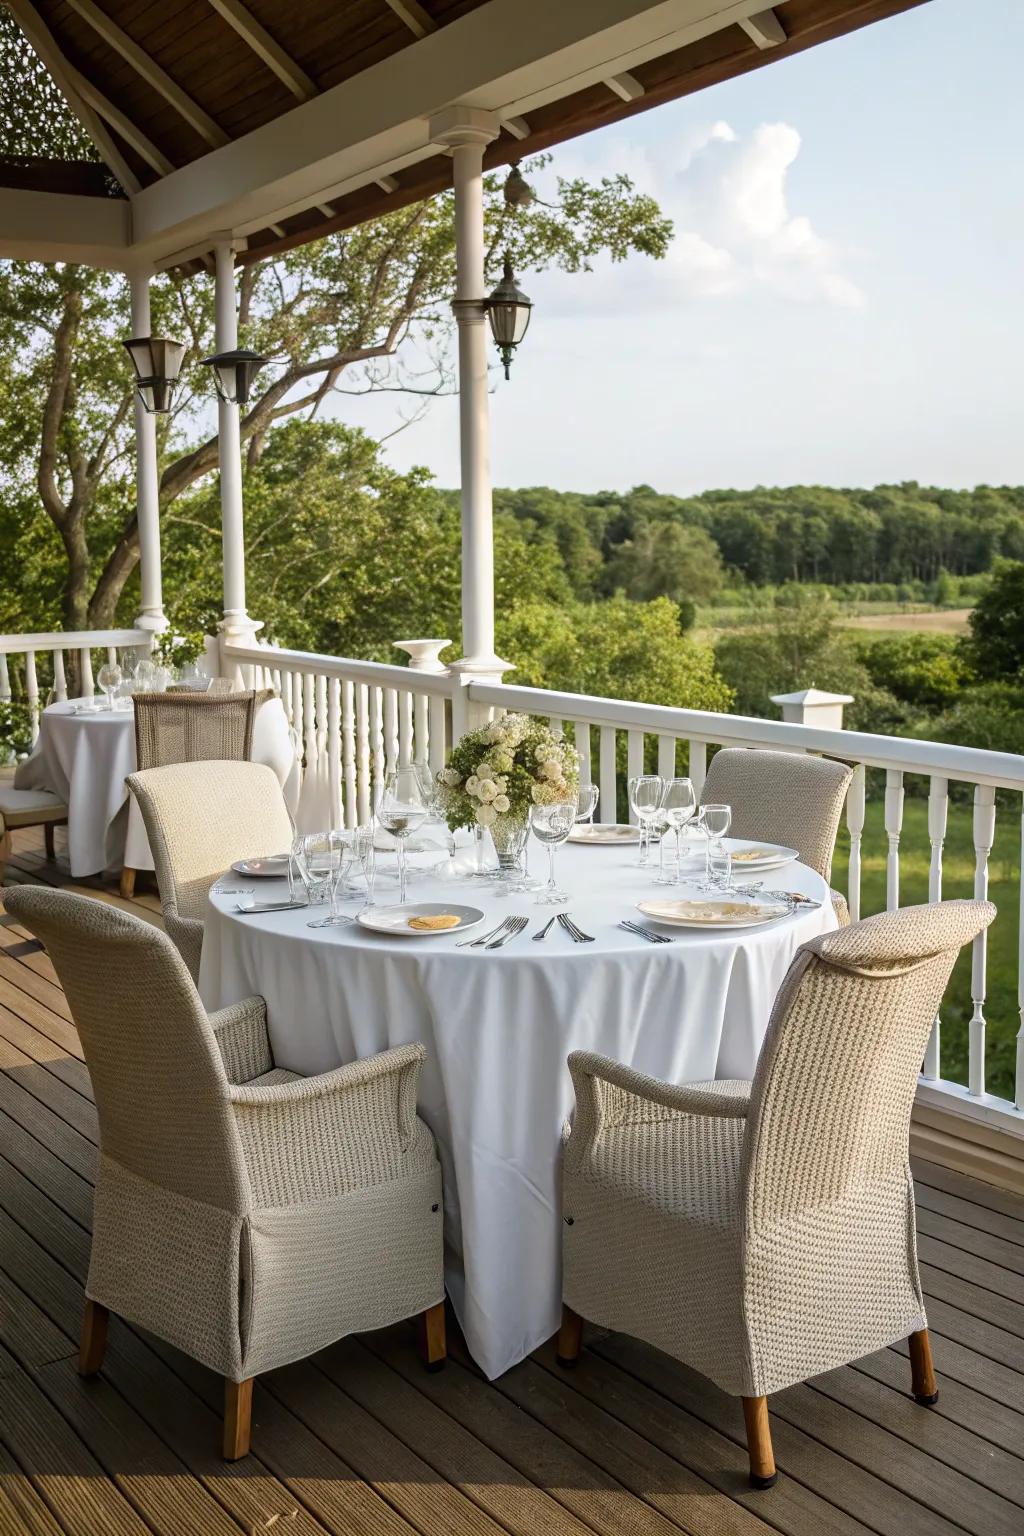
{"points": [[984, 836], [321, 723], [1018, 1095], [60, 681], [436, 718], [557, 728], [348, 751], [938, 806], [309, 723], [32, 694], [405, 737], [893, 828], [111, 656], [5, 677], [583, 748], [421, 728], [855, 808], [390, 730], [667, 757], [334, 749], [607, 771], [698, 766], [88, 686], [634, 759], [296, 717], [287, 699], [377, 755], [363, 769]]}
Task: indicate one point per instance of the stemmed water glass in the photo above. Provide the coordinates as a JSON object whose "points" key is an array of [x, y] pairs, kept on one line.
{"points": [[716, 821], [334, 851], [109, 678], [446, 868], [403, 809], [586, 803], [678, 806], [551, 825], [645, 792]]}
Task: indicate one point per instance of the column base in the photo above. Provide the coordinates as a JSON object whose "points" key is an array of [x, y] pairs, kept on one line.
{"points": [[155, 622]]}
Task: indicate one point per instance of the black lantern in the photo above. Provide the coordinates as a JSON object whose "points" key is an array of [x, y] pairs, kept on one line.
{"points": [[233, 373], [508, 310], [157, 363]]}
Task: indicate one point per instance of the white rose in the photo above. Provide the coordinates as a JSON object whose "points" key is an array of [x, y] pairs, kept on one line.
{"points": [[540, 753], [501, 804], [553, 769], [472, 784], [488, 790], [452, 777], [486, 815], [485, 771]]}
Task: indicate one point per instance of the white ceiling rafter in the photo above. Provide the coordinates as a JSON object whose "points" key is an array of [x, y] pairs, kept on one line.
{"points": [[150, 71], [765, 29], [419, 21], [143, 147], [625, 86], [42, 40], [266, 48]]}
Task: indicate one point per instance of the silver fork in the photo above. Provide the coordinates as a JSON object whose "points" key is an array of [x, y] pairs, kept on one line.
{"points": [[515, 926], [572, 930], [474, 943], [645, 933]]}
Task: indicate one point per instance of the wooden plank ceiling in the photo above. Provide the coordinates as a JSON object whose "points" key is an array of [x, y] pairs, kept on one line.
{"points": [[171, 80]]}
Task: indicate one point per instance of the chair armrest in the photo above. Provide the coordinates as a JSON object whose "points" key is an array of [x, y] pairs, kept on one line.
{"points": [[187, 935], [241, 1032], [343, 1130]]}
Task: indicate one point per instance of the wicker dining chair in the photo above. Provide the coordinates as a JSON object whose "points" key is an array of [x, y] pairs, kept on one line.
{"points": [[191, 727], [244, 1214], [764, 1232], [28, 808], [200, 818], [783, 797]]}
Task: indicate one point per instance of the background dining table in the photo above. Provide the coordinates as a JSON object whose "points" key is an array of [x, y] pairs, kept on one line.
{"points": [[498, 1026], [85, 757]]}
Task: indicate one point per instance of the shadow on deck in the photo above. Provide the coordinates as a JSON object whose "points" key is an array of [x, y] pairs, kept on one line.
{"points": [[361, 1440]]}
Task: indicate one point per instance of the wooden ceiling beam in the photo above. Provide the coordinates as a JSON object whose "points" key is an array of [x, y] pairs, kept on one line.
{"points": [[266, 48], [150, 71], [765, 29], [419, 21], [42, 40]]}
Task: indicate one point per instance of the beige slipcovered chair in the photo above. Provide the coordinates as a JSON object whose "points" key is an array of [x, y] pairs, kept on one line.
{"points": [[244, 1214], [191, 727], [200, 818], [764, 1232], [28, 808], [783, 797]]}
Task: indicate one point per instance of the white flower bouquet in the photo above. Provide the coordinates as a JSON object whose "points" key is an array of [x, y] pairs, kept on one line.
{"points": [[498, 772]]}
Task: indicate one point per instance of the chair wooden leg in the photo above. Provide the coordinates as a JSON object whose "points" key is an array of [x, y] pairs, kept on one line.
{"points": [[922, 1371], [6, 850], [570, 1338], [128, 883], [237, 1418], [759, 1442], [430, 1337], [48, 829], [94, 1338]]}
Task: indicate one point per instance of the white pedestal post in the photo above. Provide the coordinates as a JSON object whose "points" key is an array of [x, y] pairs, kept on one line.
{"points": [[466, 131], [147, 481], [813, 706]]}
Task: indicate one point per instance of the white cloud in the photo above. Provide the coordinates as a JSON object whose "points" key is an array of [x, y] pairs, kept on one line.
{"points": [[734, 232]]}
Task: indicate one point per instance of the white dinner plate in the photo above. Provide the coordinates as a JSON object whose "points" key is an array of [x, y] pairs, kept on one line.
{"points": [[752, 858], [271, 867], [394, 921], [716, 913], [604, 833]]}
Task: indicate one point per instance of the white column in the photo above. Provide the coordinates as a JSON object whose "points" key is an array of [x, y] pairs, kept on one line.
{"points": [[147, 480], [236, 620], [466, 131]]}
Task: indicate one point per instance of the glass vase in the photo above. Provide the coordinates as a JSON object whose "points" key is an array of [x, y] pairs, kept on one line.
{"points": [[509, 833]]}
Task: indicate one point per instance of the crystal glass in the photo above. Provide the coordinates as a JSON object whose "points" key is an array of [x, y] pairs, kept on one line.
{"points": [[337, 851], [678, 806], [446, 868], [314, 857], [645, 791], [715, 822], [586, 803], [403, 809], [109, 678], [297, 887], [551, 825], [719, 868]]}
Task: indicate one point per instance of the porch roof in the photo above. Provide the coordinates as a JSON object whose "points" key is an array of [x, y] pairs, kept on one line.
{"points": [[282, 122]]}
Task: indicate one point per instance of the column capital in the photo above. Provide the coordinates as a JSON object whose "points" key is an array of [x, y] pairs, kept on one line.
{"points": [[458, 125]]}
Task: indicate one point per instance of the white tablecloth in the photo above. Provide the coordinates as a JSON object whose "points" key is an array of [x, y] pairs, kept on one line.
{"points": [[85, 758], [498, 1026]]}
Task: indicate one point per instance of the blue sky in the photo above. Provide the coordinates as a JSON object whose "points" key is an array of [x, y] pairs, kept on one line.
{"points": [[844, 301]]}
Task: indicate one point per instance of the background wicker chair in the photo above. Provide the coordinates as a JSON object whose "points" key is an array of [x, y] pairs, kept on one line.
{"points": [[28, 808], [242, 1213], [783, 797], [764, 1232], [190, 727], [200, 818]]}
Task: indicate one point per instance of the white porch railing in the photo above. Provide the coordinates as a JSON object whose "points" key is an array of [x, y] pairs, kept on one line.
{"points": [[20, 654], [356, 720]]}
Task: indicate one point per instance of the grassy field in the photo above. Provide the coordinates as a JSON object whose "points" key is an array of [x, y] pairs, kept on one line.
{"points": [[1001, 1007]]}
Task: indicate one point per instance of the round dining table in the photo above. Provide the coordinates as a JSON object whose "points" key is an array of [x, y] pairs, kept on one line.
{"points": [[498, 1025], [85, 756]]}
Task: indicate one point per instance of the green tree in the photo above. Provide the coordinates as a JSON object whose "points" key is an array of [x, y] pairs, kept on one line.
{"points": [[995, 647], [665, 559]]}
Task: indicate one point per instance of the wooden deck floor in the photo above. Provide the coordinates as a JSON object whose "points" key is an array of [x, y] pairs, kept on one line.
{"points": [[361, 1442]]}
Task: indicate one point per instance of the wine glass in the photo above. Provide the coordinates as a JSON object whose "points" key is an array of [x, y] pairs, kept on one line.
{"points": [[446, 868], [586, 803], [403, 809], [365, 852], [716, 821], [678, 805], [551, 825], [645, 791], [109, 678], [334, 849]]}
